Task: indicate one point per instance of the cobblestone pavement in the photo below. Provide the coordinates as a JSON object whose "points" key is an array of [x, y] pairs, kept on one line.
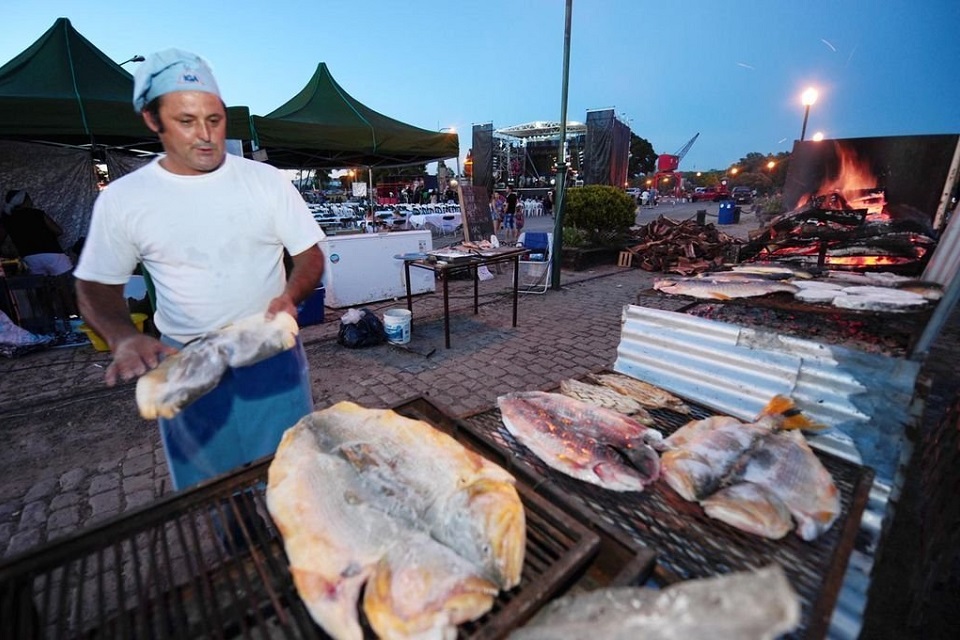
{"points": [[76, 452]]}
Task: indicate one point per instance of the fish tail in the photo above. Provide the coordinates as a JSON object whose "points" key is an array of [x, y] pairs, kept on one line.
{"points": [[788, 415]]}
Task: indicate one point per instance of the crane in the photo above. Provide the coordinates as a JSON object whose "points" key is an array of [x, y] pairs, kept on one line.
{"points": [[667, 177]]}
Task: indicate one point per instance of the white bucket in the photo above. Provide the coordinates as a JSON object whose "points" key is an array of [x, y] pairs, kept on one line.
{"points": [[396, 323]]}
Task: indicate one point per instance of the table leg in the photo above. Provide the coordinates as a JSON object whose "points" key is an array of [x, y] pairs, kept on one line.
{"points": [[476, 289], [446, 311], [516, 286], [406, 275]]}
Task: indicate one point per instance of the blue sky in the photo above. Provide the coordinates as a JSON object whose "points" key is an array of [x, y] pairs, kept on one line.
{"points": [[732, 71]]}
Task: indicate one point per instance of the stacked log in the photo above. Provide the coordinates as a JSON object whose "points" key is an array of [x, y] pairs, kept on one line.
{"points": [[684, 247]]}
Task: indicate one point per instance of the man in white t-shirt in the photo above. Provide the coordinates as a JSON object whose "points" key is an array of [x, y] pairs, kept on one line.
{"points": [[210, 229]]}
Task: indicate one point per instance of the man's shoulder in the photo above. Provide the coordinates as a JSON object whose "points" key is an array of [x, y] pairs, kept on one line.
{"points": [[252, 167]]}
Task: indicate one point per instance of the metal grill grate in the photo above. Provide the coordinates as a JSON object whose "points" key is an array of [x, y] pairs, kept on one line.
{"points": [[691, 545], [201, 564]]}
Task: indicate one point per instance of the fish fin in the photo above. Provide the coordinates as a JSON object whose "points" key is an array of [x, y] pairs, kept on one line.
{"points": [[788, 415]]}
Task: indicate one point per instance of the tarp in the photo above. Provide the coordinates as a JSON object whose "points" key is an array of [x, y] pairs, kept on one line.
{"points": [[65, 90], [324, 127], [607, 149]]}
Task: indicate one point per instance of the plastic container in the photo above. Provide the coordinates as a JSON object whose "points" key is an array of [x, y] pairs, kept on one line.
{"points": [[310, 311], [98, 343], [396, 324], [726, 215]]}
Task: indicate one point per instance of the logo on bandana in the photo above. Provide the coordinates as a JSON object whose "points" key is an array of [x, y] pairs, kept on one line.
{"points": [[190, 78]]}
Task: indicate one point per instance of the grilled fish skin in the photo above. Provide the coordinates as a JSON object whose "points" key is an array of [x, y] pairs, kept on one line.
{"points": [[707, 289], [786, 466], [602, 396], [197, 368], [337, 540], [748, 605], [462, 499], [751, 508], [648, 395], [584, 441]]}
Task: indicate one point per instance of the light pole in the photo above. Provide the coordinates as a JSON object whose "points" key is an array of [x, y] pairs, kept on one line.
{"points": [[808, 98]]}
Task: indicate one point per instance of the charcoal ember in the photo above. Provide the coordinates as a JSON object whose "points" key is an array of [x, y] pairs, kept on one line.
{"points": [[682, 247]]}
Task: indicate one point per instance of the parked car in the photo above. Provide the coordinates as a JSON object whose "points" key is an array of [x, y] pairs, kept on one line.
{"points": [[742, 195], [708, 194]]}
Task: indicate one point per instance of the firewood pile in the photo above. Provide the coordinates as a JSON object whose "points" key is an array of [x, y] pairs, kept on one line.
{"points": [[684, 247]]}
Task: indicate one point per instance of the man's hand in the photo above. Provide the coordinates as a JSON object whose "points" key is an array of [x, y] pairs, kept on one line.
{"points": [[282, 302], [134, 355]]}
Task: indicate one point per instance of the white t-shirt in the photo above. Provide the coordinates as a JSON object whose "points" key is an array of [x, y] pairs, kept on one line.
{"points": [[212, 243]]}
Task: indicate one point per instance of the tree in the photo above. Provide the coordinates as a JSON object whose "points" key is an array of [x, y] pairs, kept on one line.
{"points": [[643, 159]]}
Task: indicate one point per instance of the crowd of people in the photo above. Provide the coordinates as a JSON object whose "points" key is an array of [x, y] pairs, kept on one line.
{"points": [[508, 211]]}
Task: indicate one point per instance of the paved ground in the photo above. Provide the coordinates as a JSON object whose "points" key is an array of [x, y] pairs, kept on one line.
{"points": [[76, 452]]}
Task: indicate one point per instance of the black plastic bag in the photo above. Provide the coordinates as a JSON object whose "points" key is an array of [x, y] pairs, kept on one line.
{"points": [[363, 331]]}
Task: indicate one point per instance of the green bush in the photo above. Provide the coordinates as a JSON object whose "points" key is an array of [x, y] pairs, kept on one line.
{"points": [[602, 214], [573, 237]]}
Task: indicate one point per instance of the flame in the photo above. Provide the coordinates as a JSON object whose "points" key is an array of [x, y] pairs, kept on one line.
{"points": [[854, 180]]}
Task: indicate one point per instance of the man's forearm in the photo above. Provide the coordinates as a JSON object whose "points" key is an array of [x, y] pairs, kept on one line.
{"points": [[306, 273], [104, 308]]}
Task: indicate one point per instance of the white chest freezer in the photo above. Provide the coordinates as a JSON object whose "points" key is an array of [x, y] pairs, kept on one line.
{"points": [[361, 268]]}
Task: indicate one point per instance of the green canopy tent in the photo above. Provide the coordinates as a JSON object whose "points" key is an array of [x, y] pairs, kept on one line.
{"points": [[62, 89], [324, 127]]}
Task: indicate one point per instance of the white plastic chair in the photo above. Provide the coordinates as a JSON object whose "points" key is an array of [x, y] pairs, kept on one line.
{"points": [[535, 267]]}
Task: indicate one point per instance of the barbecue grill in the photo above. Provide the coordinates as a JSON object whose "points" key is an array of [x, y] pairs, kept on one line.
{"points": [[691, 545], [171, 570]]}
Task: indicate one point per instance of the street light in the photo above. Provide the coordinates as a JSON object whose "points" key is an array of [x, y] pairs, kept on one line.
{"points": [[818, 136], [808, 98], [136, 58], [771, 165]]}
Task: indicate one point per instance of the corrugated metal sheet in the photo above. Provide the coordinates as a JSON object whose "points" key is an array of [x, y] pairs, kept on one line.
{"points": [[864, 398], [868, 399], [943, 268]]}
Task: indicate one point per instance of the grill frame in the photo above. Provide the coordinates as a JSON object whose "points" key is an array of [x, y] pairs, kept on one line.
{"points": [[170, 577], [691, 545]]}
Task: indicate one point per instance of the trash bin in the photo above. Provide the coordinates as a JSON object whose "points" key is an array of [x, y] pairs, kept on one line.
{"points": [[726, 214], [701, 216]]}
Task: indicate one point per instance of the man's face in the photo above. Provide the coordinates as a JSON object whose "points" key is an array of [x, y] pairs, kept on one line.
{"points": [[194, 132]]}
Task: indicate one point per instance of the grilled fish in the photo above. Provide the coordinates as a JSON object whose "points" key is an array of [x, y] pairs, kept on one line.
{"points": [[602, 396], [197, 368], [705, 288], [336, 540], [590, 443], [648, 395], [463, 500], [751, 508], [748, 605], [786, 467]]}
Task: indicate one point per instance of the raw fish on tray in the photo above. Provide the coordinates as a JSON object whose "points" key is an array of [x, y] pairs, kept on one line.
{"points": [[197, 368], [338, 537], [584, 441], [749, 605]]}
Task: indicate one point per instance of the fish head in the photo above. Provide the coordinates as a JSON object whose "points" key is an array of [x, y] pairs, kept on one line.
{"points": [[639, 457]]}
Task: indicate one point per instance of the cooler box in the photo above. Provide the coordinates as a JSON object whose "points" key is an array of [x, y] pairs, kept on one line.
{"points": [[310, 311]]}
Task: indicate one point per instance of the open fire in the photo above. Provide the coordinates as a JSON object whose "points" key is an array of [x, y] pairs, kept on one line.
{"points": [[847, 223]]}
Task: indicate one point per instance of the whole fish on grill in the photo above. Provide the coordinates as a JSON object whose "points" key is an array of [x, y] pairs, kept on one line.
{"points": [[196, 369], [747, 605], [705, 288], [463, 500], [338, 538], [784, 465], [755, 476], [584, 441], [648, 395], [605, 397]]}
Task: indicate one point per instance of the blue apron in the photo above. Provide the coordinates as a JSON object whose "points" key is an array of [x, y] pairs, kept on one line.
{"points": [[239, 421]]}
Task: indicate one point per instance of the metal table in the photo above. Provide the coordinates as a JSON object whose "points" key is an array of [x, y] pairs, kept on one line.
{"points": [[470, 263]]}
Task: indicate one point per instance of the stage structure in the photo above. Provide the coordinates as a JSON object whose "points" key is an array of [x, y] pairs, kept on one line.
{"points": [[525, 155], [607, 149]]}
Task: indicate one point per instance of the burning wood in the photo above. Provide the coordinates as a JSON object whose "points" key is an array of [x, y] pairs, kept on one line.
{"points": [[683, 247]]}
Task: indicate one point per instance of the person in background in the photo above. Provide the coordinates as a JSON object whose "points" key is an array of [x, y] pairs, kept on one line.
{"points": [[34, 234], [497, 205], [211, 230], [509, 217], [548, 203]]}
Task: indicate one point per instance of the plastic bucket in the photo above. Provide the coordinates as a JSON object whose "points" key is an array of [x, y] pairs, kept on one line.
{"points": [[396, 324]]}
